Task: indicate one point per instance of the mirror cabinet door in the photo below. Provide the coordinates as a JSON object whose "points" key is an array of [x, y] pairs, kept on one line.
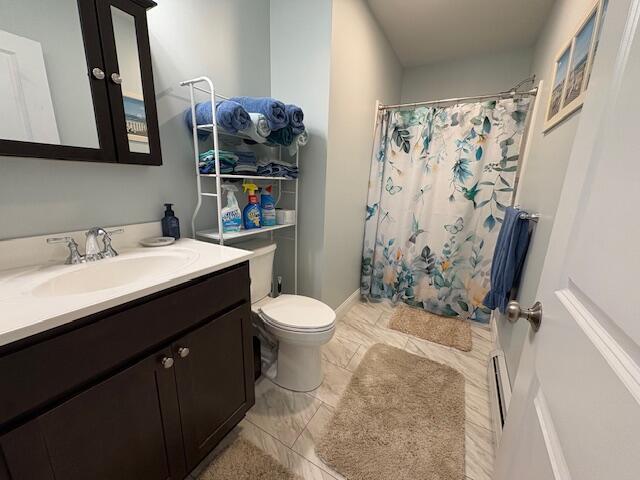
{"points": [[125, 42], [53, 95]]}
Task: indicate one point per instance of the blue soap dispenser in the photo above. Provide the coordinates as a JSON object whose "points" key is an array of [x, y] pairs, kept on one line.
{"points": [[170, 223]]}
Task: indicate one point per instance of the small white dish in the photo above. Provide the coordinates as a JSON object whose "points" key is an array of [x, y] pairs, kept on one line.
{"points": [[157, 241]]}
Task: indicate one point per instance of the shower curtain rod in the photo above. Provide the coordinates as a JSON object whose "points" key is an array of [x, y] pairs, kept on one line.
{"points": [[509, 94]]}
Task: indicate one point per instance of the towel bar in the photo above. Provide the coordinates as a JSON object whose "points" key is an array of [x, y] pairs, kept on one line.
{"points": [[533, 217]]}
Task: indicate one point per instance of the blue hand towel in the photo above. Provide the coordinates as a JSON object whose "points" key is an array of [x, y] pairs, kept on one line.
{"points": [[295, 116], [273, 110], [508, 258], [230, 116]]}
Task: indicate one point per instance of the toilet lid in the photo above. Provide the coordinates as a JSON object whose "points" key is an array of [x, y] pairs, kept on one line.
{"points": [[296, 312]]}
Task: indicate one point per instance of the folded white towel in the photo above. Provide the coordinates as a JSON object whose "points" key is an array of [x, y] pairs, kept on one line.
{"points": [[300, 141], [259, 129]]}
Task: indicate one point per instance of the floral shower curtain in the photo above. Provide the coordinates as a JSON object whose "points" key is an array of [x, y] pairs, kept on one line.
{"points": [[440, 181]]}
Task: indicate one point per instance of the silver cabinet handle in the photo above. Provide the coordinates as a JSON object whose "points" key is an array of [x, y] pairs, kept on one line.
{"points": [[98, 73], [116, 78], [183, 352], [533, 314], [167, 362]]}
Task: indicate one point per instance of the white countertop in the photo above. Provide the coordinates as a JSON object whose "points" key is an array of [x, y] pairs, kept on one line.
{"points": [[24, 312]]}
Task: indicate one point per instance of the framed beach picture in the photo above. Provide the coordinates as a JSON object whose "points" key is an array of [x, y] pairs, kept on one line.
{"points": [[559, 84], [572, 68]]}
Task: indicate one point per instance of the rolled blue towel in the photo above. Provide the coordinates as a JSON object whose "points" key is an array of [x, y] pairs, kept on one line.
{"points": [[231, 116], [273, 110], [295, 115], [283, 137]]}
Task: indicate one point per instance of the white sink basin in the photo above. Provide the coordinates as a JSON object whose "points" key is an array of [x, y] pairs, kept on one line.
{"points": [[113, 273]]}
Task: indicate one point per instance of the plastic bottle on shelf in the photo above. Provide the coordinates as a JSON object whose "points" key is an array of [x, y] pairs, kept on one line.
{"points": [[252, 214], [231, 214], [268, 207]]}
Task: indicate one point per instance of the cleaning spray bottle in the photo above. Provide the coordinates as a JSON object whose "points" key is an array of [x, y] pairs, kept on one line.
{"points": [[268, 207], [231, 215], [251, 215]]}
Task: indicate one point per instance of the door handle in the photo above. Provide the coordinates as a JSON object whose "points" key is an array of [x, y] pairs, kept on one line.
{"points": [[533, 314]]}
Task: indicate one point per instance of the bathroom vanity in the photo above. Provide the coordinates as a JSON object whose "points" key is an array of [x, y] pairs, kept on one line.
{"points": [[142, 389]]}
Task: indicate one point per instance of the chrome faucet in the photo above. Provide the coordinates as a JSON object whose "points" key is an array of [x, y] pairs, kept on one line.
{"points": [[92, 249]]}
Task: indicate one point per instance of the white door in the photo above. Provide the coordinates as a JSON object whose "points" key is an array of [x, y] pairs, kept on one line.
{"points": [[25, 99], [575, 412]]}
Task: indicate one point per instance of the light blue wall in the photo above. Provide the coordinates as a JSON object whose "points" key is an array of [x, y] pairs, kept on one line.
{"points": [[300, 66], [359, 45], [476, 75]]}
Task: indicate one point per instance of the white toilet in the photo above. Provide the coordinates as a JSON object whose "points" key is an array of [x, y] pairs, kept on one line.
{"points": [[300, 324]]}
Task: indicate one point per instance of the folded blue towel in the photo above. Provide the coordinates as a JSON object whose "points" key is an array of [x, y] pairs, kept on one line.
{"points": [[250, 169], [295, 115], [272, 109], [230, 116], [508, 259], [247, 156], [228, 161], [274, 170], [284, 136]]}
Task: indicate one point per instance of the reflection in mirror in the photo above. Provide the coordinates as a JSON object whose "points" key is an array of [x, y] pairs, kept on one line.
{"points": [[124, 31], [45, 96]]}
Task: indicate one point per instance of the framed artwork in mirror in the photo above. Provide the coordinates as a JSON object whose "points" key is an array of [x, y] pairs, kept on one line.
{"points": [[135, 116]]}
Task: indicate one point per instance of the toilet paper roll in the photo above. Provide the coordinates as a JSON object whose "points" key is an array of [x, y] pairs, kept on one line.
{"points": [[285, 216]]}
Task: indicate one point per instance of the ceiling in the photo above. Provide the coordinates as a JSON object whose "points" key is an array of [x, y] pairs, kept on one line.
{"points": [[427, 31]]}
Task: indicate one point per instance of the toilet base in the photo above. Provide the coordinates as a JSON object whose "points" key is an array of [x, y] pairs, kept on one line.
{"points": [[299, 367]]}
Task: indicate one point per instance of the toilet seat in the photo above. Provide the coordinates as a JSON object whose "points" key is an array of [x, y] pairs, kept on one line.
{"points": [[298, 314]]}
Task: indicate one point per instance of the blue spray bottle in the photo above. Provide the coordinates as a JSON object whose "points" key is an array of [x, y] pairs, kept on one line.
{"points": [[268, 207]]}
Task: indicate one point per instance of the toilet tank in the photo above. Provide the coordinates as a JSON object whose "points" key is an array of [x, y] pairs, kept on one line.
{"points": [[260, 267]]}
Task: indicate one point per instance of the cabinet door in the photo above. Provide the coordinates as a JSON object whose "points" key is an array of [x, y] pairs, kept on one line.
{"points": [[127, 55], [53, 95], [214, 379], [125, 428]]}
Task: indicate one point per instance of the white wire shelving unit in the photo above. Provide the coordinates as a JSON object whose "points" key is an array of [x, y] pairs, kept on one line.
{"points": [[205, 85]]}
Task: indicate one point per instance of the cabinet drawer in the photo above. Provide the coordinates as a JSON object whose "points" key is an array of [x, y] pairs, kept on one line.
{"points": [[46, 372]]}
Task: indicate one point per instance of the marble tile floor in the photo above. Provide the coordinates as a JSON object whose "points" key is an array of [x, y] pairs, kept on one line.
{"points": [[285, 424]]}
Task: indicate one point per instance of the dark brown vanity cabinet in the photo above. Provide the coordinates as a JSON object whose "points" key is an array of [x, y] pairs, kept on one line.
{"points": [[203, 408], [156, 416], [120, 428], [82, 78]]}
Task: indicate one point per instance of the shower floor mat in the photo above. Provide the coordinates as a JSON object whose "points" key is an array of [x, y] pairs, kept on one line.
{"points": [[448, 331], [402, 417]]}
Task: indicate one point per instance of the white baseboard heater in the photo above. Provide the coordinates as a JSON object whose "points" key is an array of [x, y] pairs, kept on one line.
{"points": [[499, 392]]}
